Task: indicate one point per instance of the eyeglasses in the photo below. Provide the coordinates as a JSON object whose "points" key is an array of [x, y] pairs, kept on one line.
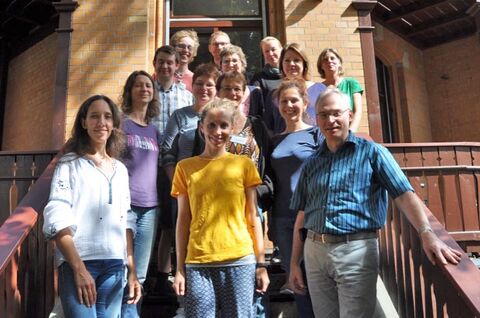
{"points": [[234, 89], [335, 114], [184, 46]]}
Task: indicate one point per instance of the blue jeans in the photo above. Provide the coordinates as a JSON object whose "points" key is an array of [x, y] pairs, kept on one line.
{"points": [[342, 278], [142, 250], [283, 232], [109, 276], [282, 229]]}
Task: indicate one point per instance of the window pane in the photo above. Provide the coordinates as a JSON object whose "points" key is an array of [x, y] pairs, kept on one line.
{"points": [[247, 39], [216, 8]]}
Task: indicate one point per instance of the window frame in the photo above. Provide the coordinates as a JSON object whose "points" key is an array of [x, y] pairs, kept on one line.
{"points": [[214, 22]]}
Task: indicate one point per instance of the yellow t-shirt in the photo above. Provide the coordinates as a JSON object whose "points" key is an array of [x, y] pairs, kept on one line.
{"points": [[216, 193]]}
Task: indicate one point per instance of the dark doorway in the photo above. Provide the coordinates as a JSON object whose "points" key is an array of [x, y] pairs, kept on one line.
{"points": [[387, 107]]}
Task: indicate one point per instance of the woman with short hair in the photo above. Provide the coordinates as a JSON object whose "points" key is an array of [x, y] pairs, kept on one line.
{"points": [[186, 43]]}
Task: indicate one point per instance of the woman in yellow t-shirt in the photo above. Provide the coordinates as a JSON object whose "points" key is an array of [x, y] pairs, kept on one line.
{"points": [[220, 251]]}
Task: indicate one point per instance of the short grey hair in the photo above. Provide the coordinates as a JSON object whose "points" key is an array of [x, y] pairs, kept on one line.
{"points": [[344, 99]]}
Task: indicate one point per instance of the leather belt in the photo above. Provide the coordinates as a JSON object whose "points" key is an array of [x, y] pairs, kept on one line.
{"points": [[339, 238]]}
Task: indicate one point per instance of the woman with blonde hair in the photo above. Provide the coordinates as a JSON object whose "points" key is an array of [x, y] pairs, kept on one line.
{"points": [[220, 253], [186, 43], [269, 77]]}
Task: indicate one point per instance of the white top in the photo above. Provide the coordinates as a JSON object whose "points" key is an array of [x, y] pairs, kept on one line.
{"points": [[96, 209]]}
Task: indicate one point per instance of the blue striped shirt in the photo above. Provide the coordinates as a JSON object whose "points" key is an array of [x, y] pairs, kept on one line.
{"points": [[170, 100], [346, 191]]}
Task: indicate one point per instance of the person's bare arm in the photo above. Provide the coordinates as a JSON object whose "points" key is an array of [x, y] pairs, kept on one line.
{"points": [[169, 171], [296, 277], [85, 284], [434, 248], [357, 112], [182, 236], [255, 229], [134, 286]]}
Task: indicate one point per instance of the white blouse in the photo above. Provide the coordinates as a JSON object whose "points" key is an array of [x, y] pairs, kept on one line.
{"points": [[95, 208]]}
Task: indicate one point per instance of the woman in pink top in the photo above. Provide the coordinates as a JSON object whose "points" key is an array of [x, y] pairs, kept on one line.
{"points": [[186, 44]]}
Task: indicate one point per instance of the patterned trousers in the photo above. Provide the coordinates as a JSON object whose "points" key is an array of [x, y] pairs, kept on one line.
{"points": [[229, 289]]}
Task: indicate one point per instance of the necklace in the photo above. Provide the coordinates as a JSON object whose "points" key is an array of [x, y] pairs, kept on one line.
{"points": [[178, 74]]}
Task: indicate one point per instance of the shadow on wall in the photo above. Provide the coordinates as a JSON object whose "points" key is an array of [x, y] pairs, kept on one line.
{"points": [[350, 12], [105, 49], [297, 9]]}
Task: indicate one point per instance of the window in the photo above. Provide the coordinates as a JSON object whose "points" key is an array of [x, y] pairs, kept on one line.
{"points": [[243, 20]]}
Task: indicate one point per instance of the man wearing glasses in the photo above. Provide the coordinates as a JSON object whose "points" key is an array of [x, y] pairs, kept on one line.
{"points": [[218, 41], [342, 201], [186, 43]]}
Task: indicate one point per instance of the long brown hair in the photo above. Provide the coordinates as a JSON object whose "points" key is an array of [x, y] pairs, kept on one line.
{"points": [[79, 142]]}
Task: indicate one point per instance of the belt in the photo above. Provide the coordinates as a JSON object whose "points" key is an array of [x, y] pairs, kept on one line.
{"points": [[340, 238]]}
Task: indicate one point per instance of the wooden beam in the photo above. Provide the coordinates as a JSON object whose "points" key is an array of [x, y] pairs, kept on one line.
{"points": [[364, 9], [474, 11], [65, 9], [4, 61], [432, 25], [413, 8]]}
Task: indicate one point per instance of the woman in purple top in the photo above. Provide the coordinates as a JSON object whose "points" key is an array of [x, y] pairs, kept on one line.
{"points": [[294, 65], [140, 105], [291, 148]]}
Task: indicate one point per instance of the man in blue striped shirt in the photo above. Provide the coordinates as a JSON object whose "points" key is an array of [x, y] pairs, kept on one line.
{"points": [[342, 201]]}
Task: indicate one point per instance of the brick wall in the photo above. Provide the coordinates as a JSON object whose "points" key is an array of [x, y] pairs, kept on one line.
{"points": [[111, 39], [411, 98], [453, 73], [29, 101], [320, 24]]}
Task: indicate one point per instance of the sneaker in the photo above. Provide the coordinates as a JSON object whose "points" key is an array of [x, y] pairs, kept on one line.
{"points": [[276, 256]]}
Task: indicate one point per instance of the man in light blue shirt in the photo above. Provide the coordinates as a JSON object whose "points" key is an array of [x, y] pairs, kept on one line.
{"points": [[172, 96], [342, 201]]}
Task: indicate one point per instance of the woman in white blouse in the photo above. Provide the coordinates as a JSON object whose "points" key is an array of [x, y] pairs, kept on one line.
{"points": [[88, 215]]}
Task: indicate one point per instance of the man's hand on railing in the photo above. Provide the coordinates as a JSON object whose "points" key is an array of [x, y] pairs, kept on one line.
{"points": [[435, 249], [411, 206]]}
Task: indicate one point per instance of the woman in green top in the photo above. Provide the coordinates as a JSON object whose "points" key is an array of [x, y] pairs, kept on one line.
{"points": [[329, 66]]}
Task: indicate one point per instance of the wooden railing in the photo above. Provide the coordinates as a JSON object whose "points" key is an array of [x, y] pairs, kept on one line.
{"points": [[26, 260], [445, 176]]}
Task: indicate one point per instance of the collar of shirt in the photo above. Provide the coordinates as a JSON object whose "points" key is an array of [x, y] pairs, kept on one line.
{"points": [[351, 139], [174, 85]]}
